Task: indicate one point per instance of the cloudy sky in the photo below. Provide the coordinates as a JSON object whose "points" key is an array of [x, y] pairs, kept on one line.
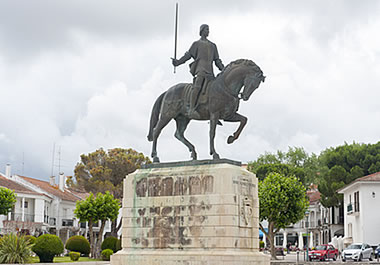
{"points": [[82, 75]]}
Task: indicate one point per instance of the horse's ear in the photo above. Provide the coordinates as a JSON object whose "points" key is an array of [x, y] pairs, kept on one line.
{"points": [[264, 78]]}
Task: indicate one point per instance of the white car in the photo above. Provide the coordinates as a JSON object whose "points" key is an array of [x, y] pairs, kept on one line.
{"points": [[357, 251]]}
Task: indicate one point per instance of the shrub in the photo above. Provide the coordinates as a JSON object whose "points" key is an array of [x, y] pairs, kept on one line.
{"points": [[31, 239], [74, 256], [110, 243], [78, 244], [118, 245], [262, 245], [14, 249], [47, 246], [106, 254]]}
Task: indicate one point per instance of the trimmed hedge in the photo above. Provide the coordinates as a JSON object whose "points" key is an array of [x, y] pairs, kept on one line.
{"points": [[74, 256], [110, 243], [106, 254], [78, 244], [47, 247], [262, 244], [118, 245], [31, 239]]}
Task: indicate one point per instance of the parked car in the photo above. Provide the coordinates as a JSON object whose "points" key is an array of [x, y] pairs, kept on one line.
{"points": [[377, 252], [357, 251], [324, 252]]}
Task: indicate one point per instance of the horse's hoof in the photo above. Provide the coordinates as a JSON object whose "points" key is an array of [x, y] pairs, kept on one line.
{"points": [[230, 139], [215, 156], [156, 159], [194, 156]]}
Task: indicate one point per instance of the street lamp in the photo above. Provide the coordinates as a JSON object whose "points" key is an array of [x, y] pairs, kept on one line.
{"points": [[307, 234]]}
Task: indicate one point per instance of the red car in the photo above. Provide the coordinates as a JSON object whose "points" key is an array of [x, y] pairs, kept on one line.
{"points": [[324, 252]]}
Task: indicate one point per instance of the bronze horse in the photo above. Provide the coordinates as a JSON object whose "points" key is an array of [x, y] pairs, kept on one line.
{"points": [[220, 102]]}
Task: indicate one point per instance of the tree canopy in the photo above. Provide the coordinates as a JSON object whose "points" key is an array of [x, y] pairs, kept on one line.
{"points": [[296, 161], [102, 171], [283, 201], [7, 200], [343, 164]]}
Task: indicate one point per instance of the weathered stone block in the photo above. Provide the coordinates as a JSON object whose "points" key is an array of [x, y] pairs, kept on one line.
{"points": [[199, 214]]}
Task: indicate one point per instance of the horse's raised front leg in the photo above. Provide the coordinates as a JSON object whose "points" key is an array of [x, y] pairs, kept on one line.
{"points": [[213, 122], [182, 123], [243, 121], [162, 122]]}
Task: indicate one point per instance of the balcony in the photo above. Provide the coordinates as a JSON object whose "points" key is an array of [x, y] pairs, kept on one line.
{"points": [[83, 225], [67, 222], [18, 217]]}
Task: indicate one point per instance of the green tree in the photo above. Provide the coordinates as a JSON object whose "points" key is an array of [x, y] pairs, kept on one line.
{"points": [[85, 211], [101, 208], [343, 164], [7, 200], [102, 171], [283, 201], [293, 162], [108, 209]]}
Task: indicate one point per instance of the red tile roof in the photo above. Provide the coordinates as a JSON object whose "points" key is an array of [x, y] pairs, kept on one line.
{"points": [[80, 194], [13, 185], [372, 177], [54, 190], [313, 195]]}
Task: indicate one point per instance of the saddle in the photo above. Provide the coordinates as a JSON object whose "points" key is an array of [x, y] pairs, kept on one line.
{"points": [[202, 97]]}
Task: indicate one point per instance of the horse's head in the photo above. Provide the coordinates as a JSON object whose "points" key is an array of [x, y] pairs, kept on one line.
{"points": [[251, 83]]}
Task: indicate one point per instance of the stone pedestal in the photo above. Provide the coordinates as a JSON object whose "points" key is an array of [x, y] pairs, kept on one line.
{"points": [[193, 213]]}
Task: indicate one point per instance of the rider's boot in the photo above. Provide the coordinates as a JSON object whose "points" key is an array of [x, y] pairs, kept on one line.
{"points": [[193, 105]]}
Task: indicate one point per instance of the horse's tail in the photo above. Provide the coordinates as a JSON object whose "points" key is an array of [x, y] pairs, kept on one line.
{"points": [[155, 116]]}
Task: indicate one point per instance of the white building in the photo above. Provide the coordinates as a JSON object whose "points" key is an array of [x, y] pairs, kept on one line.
{"points": [[361, 210], [42, 207]]}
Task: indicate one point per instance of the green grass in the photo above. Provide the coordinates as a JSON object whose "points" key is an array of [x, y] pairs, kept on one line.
{"points": [[64, 259]]}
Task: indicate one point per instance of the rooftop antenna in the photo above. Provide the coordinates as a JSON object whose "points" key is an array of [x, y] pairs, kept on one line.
{"points": [[52, 161], [59, 159], [23, 163]]}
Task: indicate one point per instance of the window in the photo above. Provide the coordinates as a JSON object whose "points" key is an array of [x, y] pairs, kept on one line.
{"points": [[25, 204], [356, 201]]}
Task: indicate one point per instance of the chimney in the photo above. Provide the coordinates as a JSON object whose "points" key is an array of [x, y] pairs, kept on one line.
{"points": [[52, 180], [62, 181], [8, 171]]}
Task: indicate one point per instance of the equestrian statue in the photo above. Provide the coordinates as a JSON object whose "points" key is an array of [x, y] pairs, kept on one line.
{"points": [[208, 98]]}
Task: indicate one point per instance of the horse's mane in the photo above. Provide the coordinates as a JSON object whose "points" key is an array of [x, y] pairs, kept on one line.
{"points": [[239, 62]]}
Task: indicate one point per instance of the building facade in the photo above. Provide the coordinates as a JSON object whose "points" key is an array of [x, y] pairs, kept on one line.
{"points": [[361, 210], [43, 207]]}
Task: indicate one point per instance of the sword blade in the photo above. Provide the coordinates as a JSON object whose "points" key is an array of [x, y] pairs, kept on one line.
{"points": [[175, 32]]}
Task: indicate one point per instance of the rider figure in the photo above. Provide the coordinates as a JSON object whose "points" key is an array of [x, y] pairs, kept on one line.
{"points": [[204, 53]]}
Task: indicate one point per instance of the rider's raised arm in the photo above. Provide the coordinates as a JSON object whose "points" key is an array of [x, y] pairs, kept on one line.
{"points": [[181, 60], [191, 53]]}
